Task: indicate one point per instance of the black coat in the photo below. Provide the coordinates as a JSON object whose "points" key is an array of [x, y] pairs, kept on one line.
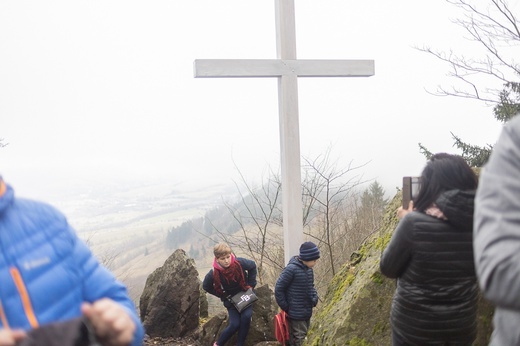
{"points": [[249, 268], [295, 292], [436, 294]]}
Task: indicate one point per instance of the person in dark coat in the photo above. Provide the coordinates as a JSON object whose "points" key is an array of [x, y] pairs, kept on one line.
{"points": [[229, 276], [295, 292], [431, 255]]}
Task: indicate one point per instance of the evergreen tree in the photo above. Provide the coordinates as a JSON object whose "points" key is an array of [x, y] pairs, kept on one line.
{"points": [[372, 206]]}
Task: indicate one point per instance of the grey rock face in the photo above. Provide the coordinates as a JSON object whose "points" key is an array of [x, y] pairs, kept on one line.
{"points": [[169, 304]]}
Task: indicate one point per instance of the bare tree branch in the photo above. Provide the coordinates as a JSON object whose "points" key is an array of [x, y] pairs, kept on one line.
{"points": [[496, 30]]}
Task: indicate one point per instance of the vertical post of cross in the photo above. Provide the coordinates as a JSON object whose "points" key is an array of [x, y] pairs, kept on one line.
{"points": [[289, 131]]}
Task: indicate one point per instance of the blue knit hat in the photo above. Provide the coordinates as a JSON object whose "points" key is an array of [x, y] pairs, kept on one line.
{"points": [[309, 251]]}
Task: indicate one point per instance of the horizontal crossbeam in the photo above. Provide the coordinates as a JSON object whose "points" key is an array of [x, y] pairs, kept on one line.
{"points": [[225, 68]]}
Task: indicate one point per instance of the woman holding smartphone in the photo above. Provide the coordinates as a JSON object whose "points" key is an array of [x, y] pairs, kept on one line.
{"points": [[431, 255]]}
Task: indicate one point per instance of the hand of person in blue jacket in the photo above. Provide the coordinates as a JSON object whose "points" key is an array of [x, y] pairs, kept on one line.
{"points": [[111, 322], [9, 337]]}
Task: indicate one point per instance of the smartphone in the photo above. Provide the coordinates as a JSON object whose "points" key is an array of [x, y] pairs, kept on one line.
{"points": [[411, 187]]}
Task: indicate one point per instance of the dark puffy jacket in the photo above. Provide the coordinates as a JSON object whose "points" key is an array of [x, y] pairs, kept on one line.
{"points": [[295, 292], [250, 271], [436, 295]]}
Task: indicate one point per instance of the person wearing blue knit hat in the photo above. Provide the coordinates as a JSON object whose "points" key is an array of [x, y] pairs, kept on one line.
{"points": [[295, 292], [309, 251]]}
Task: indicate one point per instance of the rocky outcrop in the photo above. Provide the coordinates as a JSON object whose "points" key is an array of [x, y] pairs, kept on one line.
{"points": [[262, 326], [356, 308], [169, 304], [203, 304]]}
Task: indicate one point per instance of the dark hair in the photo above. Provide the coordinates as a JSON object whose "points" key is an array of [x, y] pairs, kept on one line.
{"points": [[443, 172]]}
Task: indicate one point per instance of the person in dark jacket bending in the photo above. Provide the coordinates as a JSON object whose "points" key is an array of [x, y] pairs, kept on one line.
{"points": [[431, 255], [295, 292], [229, 276]]}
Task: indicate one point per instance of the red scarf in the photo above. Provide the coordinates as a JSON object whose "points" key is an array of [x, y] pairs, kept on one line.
{"points": [[233, 273]]}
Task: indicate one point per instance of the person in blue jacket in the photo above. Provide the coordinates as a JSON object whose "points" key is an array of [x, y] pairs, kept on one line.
{"points": [[229, 276], [48, 274], [295, 292]]}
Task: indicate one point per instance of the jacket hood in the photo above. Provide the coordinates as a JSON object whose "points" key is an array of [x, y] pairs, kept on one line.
{"points": [[295, 260], [458, 207]]}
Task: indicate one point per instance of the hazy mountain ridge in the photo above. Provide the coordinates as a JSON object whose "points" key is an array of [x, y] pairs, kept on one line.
{"points": [[110, 206]]}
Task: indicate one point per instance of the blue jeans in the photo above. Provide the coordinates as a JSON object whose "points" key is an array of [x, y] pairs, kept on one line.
{"points": [[237, 321]]}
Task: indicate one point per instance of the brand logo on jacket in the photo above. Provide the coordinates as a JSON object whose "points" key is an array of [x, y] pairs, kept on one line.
{"points": [[33, 264]]}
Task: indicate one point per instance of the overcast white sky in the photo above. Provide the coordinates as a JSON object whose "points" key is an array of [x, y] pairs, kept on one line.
{"points": [[94, 91]]}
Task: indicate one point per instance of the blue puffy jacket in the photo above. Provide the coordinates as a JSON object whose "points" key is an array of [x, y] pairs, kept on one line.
{"points": [[295, 292], [46, 271]]}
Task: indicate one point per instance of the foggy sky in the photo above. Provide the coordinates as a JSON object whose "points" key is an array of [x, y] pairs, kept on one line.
{"points": [[97, 92]]}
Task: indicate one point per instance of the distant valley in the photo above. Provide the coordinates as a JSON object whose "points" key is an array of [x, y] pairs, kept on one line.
{"points": [[126, 225]]}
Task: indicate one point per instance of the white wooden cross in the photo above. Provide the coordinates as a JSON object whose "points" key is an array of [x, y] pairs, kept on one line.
{"points": [[287, 69]]}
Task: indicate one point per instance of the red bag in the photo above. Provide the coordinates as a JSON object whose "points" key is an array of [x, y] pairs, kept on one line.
{"points": [[281, 327]]}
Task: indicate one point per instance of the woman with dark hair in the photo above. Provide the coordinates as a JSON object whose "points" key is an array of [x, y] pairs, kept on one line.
{"points": [[431, 255]]}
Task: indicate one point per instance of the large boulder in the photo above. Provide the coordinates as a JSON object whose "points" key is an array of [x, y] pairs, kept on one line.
{"points": [[356, 308], [169, 304], [262, 325]]}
